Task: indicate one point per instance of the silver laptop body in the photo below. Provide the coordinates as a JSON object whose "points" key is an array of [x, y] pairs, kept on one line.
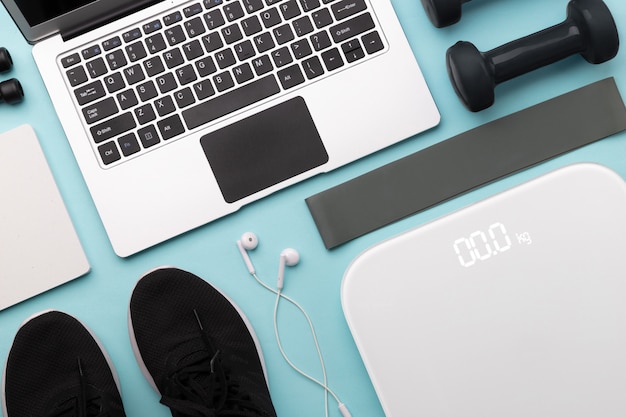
{"points": [[180, 112]]}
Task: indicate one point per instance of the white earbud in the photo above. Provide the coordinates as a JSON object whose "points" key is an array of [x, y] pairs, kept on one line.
{"points": [[248, 241], [289, 257]]}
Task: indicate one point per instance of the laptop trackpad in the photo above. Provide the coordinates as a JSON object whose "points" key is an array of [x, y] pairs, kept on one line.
{"points": [[264, 149]]}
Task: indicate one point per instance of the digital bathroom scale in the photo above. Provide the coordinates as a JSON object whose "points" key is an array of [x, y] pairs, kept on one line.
{"points": [[512, 307]]}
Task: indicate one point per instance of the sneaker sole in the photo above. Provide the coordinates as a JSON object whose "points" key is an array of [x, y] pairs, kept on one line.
{"points": [[139, 359], [5, 413]]}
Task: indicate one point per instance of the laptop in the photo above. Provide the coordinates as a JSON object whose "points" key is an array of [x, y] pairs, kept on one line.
{"points": [[181, 112]]}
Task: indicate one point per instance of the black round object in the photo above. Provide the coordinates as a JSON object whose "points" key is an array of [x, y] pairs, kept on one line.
{"points": [[5, 60], [443, 13], [11, 91], [588, 30]]}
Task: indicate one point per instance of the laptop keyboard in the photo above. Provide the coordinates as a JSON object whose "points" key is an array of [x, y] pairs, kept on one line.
{"points": [[151, 84]]}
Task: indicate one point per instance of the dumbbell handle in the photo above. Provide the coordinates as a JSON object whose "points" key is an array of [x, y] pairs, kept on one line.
{"points": [[534, 51]]}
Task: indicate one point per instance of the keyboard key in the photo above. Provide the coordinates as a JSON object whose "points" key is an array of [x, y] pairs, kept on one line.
{"points": [[136, 51], [233, 11], [302, 26], [101, 110], [116, 59], [243, 73], [148, 136], [212, 42], [184, 98], [175, 35], [152, 27], [251, 25], [90, 52], [332, 59], [313, 67], [244, 50], [351, 28], [68, 61], [90, 92], [282, 57], [203, 89], [283, 34], [114, 82], [155, 43], [145, 114], [352, 50], [290, 77], [153, 66], [209, 4], [223, 81], [264, 42], [134, 74], [112, 43], [113, 127], [128, 144], [227, 103], [321, 41], [131, 35], [372, 42], [173, 58], [271, 17], [322, 18], [225, 58], [170, 127], [127, 99], [308, 5], [96, 68], [301, 49], [205, 66], [192, 10], [192, 50], [186, 75], [76, 76], [346, 8], [214, 19], [166, 83], [109, 153], [289, 9], [232, 34], [164, 106], [172, 19], [262, 65], [194, 27], [253, 5], [146, 91]]}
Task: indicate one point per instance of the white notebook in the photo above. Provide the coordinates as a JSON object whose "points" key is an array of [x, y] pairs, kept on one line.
{"points": [[39, 247]]}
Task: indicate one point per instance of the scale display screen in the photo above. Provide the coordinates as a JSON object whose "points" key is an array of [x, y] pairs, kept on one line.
{"points": [[514, 306]]}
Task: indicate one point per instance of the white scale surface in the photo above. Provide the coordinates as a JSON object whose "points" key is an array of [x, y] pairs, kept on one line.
{"points": [[512, 307]]}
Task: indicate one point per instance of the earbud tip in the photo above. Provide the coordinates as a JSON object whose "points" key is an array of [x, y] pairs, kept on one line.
{"points": [[292, 257], [249, 241]]}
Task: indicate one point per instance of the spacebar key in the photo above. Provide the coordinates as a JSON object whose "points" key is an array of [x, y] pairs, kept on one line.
{"points": [[229, 102]]}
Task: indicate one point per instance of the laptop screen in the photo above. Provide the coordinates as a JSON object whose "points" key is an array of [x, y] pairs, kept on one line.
{"points": [[38, 11], [39, 19]]}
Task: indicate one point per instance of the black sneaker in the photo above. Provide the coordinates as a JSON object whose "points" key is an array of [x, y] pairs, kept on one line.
{"points": [[57, 368], [196, 348]]}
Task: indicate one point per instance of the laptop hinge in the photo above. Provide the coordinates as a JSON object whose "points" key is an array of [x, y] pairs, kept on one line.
{"points": [[117, 14]]}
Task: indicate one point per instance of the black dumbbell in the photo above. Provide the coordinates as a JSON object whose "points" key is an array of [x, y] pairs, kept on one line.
{"points": [[443, 13], [589, 30], [5, 60], [11, 91]]}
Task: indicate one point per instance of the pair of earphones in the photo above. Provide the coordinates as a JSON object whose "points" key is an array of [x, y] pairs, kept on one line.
{"points": [[11, 90], [288, 257]]}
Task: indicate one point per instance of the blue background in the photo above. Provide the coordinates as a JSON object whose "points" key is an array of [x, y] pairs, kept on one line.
{"points": [[282, 220]]}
